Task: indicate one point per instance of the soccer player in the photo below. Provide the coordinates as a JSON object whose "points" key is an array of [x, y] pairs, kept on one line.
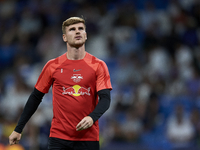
{"points": [[81, 93]]}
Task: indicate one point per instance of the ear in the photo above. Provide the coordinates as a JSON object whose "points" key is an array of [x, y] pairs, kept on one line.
{"points": [[64, 38], [86, 36]]}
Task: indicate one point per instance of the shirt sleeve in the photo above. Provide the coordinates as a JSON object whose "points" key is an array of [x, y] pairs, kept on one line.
{"points": [[45, 79], [103, 77]]}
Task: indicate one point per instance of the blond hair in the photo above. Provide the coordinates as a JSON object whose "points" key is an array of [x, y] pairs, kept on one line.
{"points": [[70, 21]]}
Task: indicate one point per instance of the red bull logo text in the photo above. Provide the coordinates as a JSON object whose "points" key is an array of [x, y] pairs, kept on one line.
{"points": [[76, 90]]}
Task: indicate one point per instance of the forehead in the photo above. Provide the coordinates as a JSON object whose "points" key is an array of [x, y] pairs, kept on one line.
{"points": [[76, 25]]}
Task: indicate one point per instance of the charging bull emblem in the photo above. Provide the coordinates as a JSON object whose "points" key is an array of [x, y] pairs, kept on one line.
{"points": [[77, 77], [76, 90]]}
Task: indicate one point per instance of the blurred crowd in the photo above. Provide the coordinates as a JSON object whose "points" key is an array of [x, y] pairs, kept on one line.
{"points": [[151, 47]]}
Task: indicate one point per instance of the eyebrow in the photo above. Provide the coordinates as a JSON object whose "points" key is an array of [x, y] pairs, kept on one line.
{"points": [[71, 28], [81, 27]]}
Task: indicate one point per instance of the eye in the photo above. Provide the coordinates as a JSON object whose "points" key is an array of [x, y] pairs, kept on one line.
{"points": [[71, 29], [81, 28]]}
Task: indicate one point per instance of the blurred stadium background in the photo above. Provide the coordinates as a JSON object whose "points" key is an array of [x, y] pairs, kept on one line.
{"points": [[151, 47]]}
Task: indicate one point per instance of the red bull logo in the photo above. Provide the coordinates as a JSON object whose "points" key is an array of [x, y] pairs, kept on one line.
{"points": [[77, 77], [76, 90]]}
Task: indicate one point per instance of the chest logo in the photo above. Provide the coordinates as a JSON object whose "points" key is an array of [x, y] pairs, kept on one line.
{"points": [[77, 77], [75, 70], [76, 90]]}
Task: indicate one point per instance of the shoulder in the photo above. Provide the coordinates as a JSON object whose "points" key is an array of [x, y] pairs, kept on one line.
{"points": [[93, 59], [56, 61], [97, 64], [52, 64]]}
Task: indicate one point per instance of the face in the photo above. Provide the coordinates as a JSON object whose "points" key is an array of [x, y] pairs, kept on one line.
{"points": [[75, 35]]}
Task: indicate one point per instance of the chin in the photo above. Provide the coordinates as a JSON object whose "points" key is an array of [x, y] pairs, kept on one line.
{"points": [[79, 44]]}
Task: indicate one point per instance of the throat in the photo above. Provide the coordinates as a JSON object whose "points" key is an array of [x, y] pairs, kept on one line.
{"points": [[76, 54]]}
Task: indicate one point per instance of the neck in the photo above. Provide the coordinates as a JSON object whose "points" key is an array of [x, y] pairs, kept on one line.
{"points": [[74, 53]]}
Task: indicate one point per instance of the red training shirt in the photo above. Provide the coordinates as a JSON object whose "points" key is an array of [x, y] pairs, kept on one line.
{"points": [[75, 84]]}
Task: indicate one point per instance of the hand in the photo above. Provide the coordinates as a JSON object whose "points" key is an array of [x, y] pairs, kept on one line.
{"points": [[85, 123], [14, 138]]}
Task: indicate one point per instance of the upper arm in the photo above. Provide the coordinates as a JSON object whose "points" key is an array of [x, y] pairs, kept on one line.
{"points": [[103, 77], [45, 79]]}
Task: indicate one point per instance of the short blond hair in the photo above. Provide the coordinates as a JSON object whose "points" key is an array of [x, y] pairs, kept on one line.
{"points": [[70, 21]]}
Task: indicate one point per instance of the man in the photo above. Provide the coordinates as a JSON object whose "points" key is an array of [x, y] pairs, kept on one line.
{"points": [[81, 93]]}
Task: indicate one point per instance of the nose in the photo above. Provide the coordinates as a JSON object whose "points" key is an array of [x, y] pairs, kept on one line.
{"points": [[77, 31]]}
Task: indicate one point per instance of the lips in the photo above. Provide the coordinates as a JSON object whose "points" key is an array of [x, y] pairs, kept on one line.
{"points": [[78, 37]]}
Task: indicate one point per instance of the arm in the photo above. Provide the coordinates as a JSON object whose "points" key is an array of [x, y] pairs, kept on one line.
{"points": [[31, 106], [102, 106]]}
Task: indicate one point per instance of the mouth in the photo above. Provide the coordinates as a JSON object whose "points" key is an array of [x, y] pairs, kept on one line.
{"points": [[78, 37]]}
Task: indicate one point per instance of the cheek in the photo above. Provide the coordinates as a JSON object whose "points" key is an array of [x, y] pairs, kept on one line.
{"points": [[69, 38]]}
